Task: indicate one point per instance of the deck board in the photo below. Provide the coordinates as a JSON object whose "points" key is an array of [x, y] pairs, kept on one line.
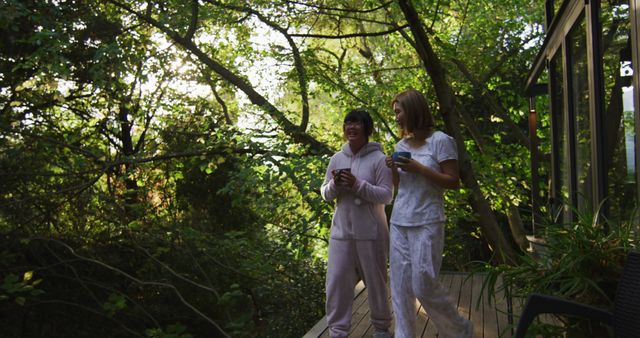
{"points": [[503, 310], [476, 306], [490, 321], [490, 316]]}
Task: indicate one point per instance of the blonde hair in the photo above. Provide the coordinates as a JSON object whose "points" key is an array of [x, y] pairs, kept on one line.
{"points": [[416, 109]]}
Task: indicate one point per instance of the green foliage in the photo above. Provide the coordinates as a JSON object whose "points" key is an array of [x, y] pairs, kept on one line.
{"points": [[172, 331], [13, 287], [580, 260], [115, 303], [188, 207]]}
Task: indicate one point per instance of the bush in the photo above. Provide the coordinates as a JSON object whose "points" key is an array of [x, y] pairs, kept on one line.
{"points": [[580, 260]]}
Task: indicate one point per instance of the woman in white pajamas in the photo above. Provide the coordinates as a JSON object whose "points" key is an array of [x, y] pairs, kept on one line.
{"points": [[359, 241], [417, 220]]}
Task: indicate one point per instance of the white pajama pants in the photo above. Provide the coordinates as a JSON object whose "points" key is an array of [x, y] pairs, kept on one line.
{"points": [[416, 257], [350, 261]]}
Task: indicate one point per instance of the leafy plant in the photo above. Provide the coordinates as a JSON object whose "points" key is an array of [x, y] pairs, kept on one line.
{"points": [[172, 331], [19, 289], [580, 260]]}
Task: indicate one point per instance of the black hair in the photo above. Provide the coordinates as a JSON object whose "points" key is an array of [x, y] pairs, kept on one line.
{"points": [[361, 115]]}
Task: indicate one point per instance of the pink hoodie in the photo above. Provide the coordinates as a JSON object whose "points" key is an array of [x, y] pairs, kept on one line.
{"points": [[359, 213]]}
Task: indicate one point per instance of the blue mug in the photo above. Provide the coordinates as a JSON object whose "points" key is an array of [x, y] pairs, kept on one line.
{"points": [[397, 154]]}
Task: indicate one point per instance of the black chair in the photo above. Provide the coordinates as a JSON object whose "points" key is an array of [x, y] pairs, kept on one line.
{"points": [[624, 319]]}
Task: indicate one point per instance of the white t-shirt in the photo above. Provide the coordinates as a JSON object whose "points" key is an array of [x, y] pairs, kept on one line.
{"points": [[419, 201]]}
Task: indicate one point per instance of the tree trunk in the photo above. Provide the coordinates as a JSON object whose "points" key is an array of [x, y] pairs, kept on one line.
{"points": [[517, 228], [131, 197], [497, 242]]}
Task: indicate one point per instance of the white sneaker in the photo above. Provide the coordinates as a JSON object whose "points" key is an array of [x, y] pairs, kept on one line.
{"points": [[381, 334]]}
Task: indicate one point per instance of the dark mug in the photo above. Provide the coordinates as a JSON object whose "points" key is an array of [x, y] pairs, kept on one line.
{"points": [[337, 172]]}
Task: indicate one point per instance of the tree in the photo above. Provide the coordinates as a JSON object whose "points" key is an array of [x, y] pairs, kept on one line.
{"points": [[450, 113], [171, 152]]}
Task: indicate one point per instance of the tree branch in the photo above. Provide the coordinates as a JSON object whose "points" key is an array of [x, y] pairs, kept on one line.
{"points": [[383, 5], [297, 59], [256, 98], [193, 24], [141, 282], [353, 35]]}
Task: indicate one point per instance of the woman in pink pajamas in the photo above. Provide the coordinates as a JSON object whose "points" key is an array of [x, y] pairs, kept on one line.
{"points": [[357, 177], [418, 220]]}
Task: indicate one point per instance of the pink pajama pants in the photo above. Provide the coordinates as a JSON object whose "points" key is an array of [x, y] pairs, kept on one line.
{"points": [[349, 261]]}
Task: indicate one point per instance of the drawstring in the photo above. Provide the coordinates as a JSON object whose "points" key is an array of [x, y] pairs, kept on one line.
{"points": [[357, 200]]}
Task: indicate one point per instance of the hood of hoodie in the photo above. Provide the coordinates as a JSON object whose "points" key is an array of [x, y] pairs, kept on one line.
{"points": [[364, 151], [347, 159]]}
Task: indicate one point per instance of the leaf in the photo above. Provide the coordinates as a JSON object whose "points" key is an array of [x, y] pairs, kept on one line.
{"points": [[27, 276], [36, 292], [115, 303], [135, 225]]}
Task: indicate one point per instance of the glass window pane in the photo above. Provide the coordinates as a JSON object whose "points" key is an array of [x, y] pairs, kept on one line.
{"points": [[579, 103], [561, 143], [618, 109]]}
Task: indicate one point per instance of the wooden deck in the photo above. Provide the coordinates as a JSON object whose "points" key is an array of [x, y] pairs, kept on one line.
{"points": [[490, 320]]}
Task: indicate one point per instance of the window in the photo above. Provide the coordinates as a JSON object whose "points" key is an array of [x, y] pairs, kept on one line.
{"points": [[579, 113], [619, 122], [560, 147], [593, 98]]}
